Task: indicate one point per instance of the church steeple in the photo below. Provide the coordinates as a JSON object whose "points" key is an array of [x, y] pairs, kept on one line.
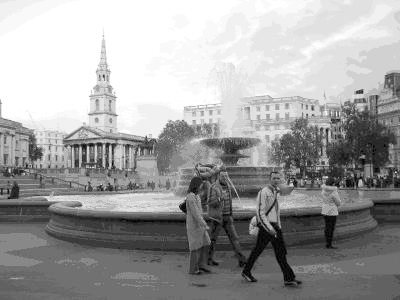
{"points": [[102, 113]]}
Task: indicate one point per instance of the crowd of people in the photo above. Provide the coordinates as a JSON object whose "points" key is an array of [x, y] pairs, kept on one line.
{"points": [[211, 188]]}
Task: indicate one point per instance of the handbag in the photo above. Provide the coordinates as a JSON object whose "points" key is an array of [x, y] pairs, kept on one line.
{"points": [[182, 206], [253, 226]]}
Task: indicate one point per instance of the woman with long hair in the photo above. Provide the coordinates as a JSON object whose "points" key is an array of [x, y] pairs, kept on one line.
{"points": [[196, 227]]}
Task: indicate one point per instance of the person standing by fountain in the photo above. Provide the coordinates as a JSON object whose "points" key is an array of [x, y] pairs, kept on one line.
{"points": [[220, 213], [196, 227], [268, 216], [330, 204]]}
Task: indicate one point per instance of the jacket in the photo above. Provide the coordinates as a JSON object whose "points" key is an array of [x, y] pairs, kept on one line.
{"points": [[195, 225], [265, 199], [330, 200], [215, 203]]}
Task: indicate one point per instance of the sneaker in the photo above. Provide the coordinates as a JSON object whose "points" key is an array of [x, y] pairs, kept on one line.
{"points": [[205, 270], [298, 281], [248, 277], [292, 283], [212, 262]]}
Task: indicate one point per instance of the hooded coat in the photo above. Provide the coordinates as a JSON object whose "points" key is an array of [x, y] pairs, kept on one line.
{"points": [[330, 200]]}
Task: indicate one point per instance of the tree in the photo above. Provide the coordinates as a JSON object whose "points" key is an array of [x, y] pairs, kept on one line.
{"points": [[299, 148], [174, 135], [364, 137], [35, 152]]}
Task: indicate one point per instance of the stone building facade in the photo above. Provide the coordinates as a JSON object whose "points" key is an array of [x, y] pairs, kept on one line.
{"points": [[54, 152], [14, 143]]}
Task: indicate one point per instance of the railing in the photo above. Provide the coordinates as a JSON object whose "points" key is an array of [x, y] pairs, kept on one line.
{"points": [[53, 179]]}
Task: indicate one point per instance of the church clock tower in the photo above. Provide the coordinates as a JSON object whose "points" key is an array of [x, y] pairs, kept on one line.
{"points": [[102, 114]]}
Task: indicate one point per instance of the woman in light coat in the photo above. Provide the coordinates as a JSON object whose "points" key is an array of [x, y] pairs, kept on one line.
{"points": [[330, 204], [196, 228]]}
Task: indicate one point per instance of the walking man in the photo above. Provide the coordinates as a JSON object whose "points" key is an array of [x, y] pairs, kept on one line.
{"points": [[220, 212], [269, 223]]}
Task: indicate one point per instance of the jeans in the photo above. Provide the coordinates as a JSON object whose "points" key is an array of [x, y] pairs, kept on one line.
{"points": [[227, 225], [278, 244], [330, 222]]}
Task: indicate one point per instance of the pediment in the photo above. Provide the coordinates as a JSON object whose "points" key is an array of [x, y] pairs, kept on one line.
{"points": [[83, 133]]}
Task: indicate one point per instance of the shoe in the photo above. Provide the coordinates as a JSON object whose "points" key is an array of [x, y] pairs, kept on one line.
{"points": [[198, 272], [299, 282], [205, 270], [331, 247], [242, 264], [248, 277], [212, 262], [292, 283]]}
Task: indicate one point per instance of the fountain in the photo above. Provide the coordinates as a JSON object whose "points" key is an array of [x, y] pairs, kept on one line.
{"points": [[164, 228]]}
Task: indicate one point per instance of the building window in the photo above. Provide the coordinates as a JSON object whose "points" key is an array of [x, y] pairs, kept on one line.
{"points": [[210, 121], [49, 157], [109, 105], [202, 113], [276, 106], [277, 116], [257, 127], [202, 121], [268, 117], [49, 148], [194, 122], [312, 107], [5, 140], [286, 116], [286, 105], [266, 127], [306, 116], [110, 120], [219, 111], [97, 105], [258, 108], [267, 107], [306, 106], [96, 120], [56, 157], [258, 117], [193, 113], [302, 106], [210, 112]]}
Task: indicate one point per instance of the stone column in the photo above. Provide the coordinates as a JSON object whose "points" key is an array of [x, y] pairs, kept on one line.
{"points": [[95, 153], [122, 156], [1, 148], [104, 155], [80, 156], [110, 155], [72, 156], [129, 157]]}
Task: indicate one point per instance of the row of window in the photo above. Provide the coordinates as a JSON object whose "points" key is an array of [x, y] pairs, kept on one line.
{"points": [[97, 102], [49, 158], [210, 121], [96, 120], [210, 113], [47, 134], [42, 141], [287, 106], [272, 127], [277, 117]]}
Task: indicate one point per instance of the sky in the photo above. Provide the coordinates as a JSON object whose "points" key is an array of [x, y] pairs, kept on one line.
{"points": [[162, 53]]}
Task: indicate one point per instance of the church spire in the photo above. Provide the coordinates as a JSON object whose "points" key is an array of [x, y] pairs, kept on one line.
{"points": [[103, 56]]}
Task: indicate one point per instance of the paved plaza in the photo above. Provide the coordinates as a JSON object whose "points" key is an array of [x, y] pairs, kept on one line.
{"points": [[34, 265]]}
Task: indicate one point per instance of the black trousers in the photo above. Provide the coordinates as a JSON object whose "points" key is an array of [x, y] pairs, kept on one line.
{"points": [[330, 222], [278, 244]]}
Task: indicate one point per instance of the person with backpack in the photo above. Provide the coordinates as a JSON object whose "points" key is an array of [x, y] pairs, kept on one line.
{"points": [[269, 224]]}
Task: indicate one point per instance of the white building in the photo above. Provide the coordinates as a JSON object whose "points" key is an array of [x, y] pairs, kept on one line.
{"points": [[54, 154], [270, 118]]}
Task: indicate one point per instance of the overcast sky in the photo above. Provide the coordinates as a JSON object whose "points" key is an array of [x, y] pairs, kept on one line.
{"points": [[161, 54]]}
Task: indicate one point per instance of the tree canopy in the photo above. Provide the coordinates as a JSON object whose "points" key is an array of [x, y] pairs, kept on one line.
{"points": [[301, 147], [35, 152], [363, 137]]}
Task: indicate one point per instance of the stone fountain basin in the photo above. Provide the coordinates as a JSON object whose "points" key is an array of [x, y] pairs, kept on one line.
{"points": [[167, 230]]}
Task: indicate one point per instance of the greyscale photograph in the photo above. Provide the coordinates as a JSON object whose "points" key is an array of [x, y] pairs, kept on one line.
{"points": [[232, 149]]}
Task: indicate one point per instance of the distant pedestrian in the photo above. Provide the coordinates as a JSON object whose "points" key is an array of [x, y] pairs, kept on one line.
{"points": [[196, 228], [14, 194], [330, 204]]}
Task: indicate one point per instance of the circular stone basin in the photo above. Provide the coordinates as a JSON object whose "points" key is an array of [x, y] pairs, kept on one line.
{"points": [[154, 222]]}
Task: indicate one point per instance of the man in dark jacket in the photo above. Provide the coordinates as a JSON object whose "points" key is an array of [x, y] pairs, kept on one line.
{"points": [[14, 191]]}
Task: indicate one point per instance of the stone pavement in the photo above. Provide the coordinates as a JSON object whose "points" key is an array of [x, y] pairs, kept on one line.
{"points": [[34, 265]]}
